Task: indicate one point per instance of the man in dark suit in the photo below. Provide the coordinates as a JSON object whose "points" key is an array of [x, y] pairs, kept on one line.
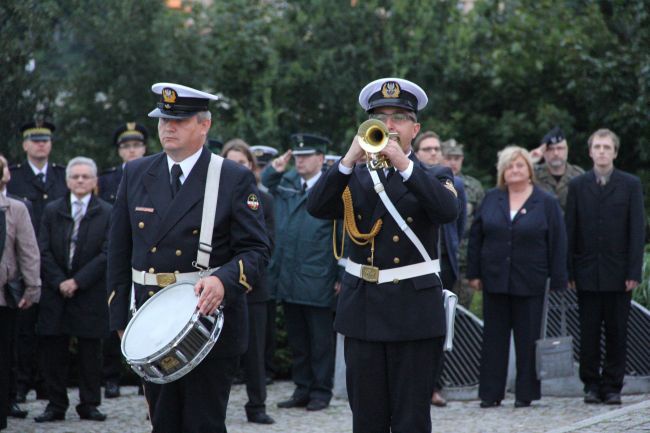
{"points": [[605, 223], [40, 182], [73, 241], [390, 307], [154, 239], [130, 138]]}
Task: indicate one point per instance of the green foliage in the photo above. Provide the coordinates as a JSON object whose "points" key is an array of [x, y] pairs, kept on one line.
{"points": [[642, 293]]}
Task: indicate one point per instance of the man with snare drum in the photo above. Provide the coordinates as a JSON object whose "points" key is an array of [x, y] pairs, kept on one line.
{"points": [[390, 307], [154, 238]]}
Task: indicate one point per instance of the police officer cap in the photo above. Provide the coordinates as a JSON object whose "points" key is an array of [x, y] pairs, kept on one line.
{"points": [[38, 130], [554, 136], [451, 148], [393, 92], [308, 144], [263, 154], [130, 131], [179, 102]]}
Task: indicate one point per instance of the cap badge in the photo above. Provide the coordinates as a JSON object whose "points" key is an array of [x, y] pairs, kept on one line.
{"points": [[130, 126], [390, 89], [252, 202], [169, 96]]}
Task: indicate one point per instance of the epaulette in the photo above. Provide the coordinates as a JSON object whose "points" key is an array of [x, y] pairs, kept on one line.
{"points": [[57, 166], [108, 170], [15, 166]]}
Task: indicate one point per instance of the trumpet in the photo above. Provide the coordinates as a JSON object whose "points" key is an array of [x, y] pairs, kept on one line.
{"points": [[373, 137]]}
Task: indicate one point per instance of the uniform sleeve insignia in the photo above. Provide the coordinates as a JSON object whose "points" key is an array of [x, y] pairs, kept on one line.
{"points": [[242, 277], [253, 202], [110, 298], [450, 186]]}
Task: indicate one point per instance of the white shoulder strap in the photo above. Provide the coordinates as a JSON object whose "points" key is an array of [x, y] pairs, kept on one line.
{"points": [[209, 211], [379, 188]]}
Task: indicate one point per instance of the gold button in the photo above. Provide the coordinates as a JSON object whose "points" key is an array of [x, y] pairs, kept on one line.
{"points": [[154, 249], [395, 238], [369, 259], [409, 220], [45, 196], [359, 217], [141, 224], [152, 270], [195, 232], [178, 252], [396, 260], [151, 293], [395, 281]]}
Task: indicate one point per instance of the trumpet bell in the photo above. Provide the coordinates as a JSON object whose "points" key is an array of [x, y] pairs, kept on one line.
{"points": [[373, 137]]}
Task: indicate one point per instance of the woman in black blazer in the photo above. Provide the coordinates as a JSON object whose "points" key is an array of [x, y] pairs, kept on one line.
{"points": [[517, 241]]}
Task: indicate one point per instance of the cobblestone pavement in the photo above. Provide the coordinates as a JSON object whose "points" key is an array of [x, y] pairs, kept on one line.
{"points": [[551, 414]]}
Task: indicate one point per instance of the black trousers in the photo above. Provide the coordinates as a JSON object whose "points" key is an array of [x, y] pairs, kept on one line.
{"points": [[195, 403], [111, 359], [56, 371], [7, 325], [390, 384], [611, 309], [270, 345], [502, 314], [29, 358], [253, 359], [310, 337]]}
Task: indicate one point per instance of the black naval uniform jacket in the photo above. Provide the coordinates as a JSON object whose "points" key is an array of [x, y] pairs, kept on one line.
{"points": [[152, 232], [85, 314], [108, 183], [406, 310], [26, 186]]}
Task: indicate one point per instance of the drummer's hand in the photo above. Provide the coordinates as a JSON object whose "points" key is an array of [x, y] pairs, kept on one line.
{"points": [[396, 155], [212, 291], [354, 154]]}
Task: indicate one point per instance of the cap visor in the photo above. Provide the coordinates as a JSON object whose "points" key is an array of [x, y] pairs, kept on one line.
{"points": [[389, 103], [160, 114], [304, 152], [39, 137]]}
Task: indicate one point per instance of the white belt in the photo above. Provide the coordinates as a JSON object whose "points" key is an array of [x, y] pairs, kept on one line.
{"points": [[379, 276], [164, 279]]}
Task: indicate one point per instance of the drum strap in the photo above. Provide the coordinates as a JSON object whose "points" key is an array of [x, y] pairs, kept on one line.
{"points": [[209, 211]]}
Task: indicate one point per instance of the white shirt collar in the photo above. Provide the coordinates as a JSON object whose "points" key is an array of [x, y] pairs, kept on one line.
{"points": [[311, 182], [85, 200], [186, 165], [37, 170]]}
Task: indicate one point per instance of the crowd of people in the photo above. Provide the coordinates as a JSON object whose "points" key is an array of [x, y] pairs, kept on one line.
{"points": [[340, 247]]}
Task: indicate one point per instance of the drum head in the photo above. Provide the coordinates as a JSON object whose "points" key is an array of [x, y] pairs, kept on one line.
{"points": [[159, 321]]}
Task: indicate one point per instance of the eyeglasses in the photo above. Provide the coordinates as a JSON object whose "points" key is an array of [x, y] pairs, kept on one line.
{"points": [[395, 117], [429, 149], [81, 176], [131, 145]]}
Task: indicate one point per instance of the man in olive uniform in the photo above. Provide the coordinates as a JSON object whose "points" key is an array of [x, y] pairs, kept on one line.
{"points": [[40, 182], [130, 138], [555, 173], [453, 157], [153, 242], [390, 308]]}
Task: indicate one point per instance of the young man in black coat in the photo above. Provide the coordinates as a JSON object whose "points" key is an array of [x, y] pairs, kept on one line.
{"points": [[605, 224], [73, 242]]}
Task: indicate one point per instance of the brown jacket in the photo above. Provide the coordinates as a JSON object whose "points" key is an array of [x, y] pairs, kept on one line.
{"points": [[21, 252]]}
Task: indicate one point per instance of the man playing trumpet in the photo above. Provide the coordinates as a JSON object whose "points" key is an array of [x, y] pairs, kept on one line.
{"points": [[390, 307]]}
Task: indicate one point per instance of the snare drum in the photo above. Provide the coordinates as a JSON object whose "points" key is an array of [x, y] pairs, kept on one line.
{"points": [[167, 337]]}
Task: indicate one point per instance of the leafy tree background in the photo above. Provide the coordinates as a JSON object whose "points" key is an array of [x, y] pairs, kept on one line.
{"points": [[504, 73]]}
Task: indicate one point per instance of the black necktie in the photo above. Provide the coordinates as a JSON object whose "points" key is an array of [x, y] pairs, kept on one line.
{"points": [[41, 177], [177, 172], [390, 173], [304, 187]]}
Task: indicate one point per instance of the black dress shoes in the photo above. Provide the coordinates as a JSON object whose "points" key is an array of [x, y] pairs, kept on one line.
{"points": [[16, 412], [260, 418], [316, 404], [592, 397], [490, 403], [112, 390], [294, 402], [91, 414], [49, 416], [612, 398], [522, 403]]}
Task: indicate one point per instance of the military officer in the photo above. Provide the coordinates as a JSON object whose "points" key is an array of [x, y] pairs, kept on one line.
{"points": [[390, 308], [39, 181], [130, 138], [154, 238], [555, 173]]}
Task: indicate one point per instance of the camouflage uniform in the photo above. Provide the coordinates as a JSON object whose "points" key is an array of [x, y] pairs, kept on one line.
{"points": [[474, 192], [547, 182]]}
